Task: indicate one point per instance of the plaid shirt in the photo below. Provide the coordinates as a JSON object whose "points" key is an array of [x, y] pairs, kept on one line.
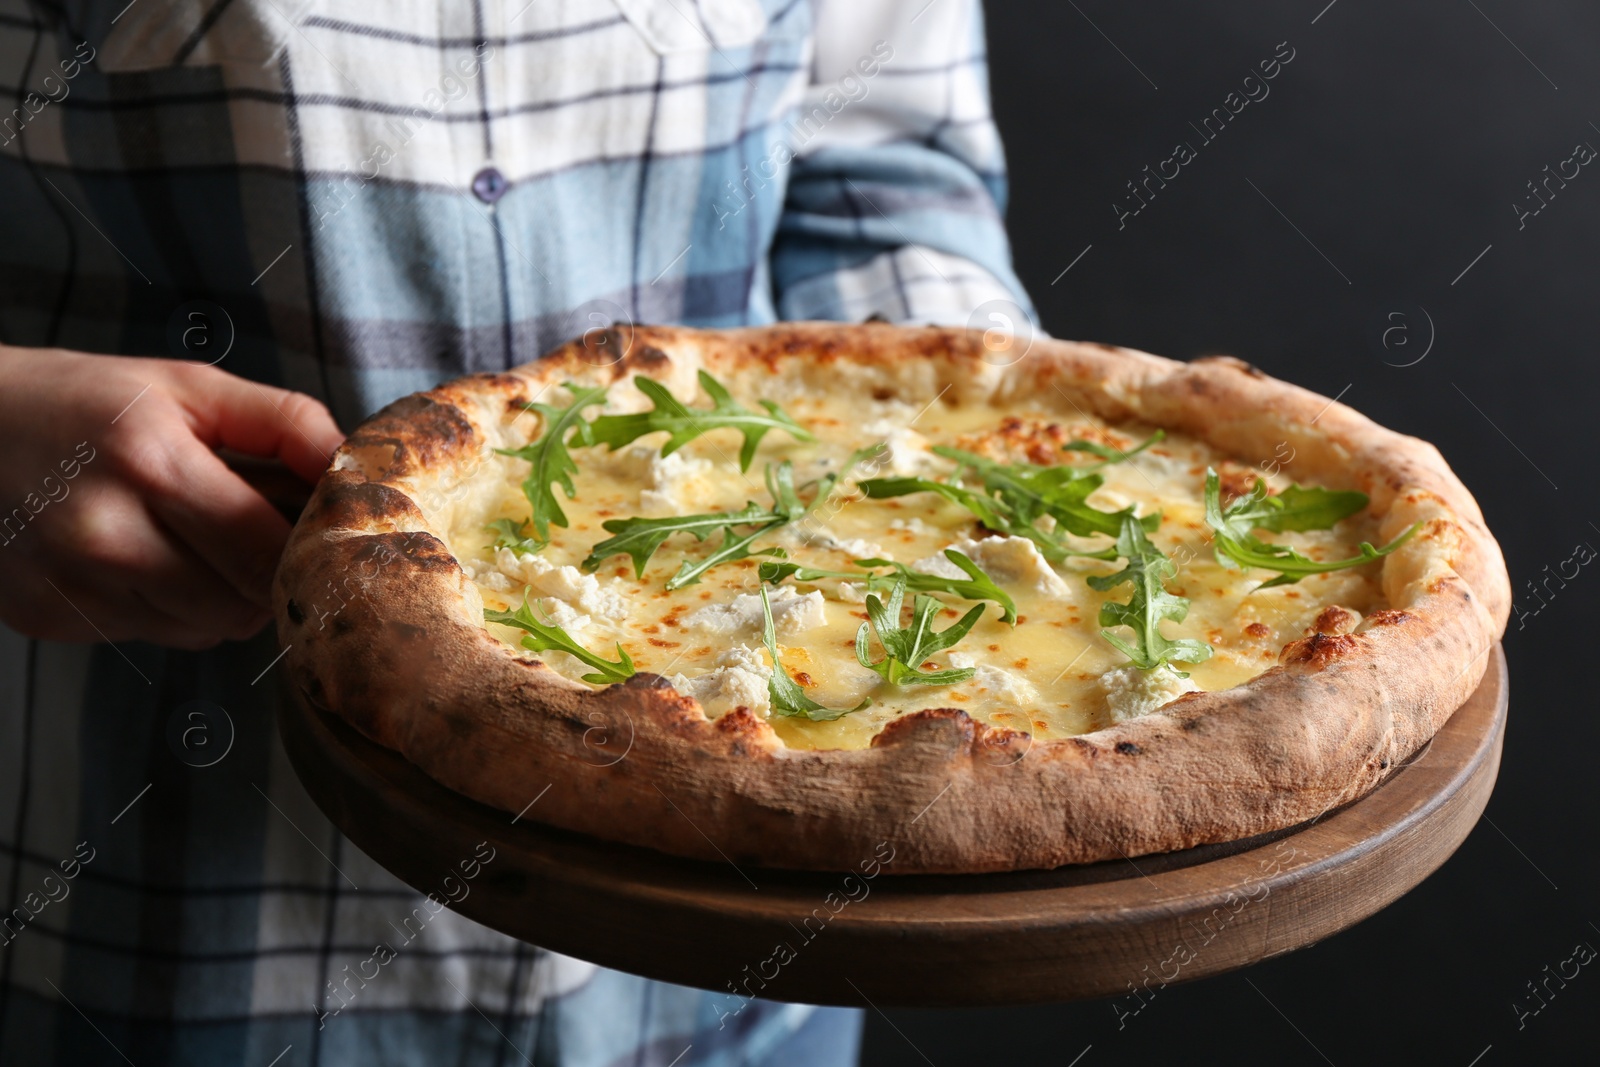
{"points": [[373, 198]]}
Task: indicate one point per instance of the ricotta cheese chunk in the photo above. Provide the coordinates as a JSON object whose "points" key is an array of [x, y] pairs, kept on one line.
{"points": [[859, 548], [851, 592], [808, 533], [792, 613], [905, 453], [1131, 692], [675, 484], [1109, 500], [739, 680], [724, 689], [997, 682], [746, 657], [583, 591], [491, 578], [1008, 560], [913, 526], [579, 627]]}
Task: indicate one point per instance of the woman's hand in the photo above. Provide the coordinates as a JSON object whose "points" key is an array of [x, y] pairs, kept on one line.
{"points": [[118, 521]]}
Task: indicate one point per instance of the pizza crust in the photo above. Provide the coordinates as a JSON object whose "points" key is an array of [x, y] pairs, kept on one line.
{"points": [[385, 630]]}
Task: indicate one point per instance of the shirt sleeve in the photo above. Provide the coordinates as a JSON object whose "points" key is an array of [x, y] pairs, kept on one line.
{"points": [[898, 180]]}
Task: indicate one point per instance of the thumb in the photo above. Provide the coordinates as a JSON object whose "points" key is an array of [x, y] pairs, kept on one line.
{"points": [[261, 420]]}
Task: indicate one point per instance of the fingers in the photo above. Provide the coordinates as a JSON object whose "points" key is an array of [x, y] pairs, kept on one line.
{"points": [[259, 420], [213, 511], [158, 540], [178, 583], [115, 544], [221, 518], [174, 580]]}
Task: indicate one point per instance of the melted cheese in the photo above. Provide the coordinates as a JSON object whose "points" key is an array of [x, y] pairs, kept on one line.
{"points": [[1051, 675]]}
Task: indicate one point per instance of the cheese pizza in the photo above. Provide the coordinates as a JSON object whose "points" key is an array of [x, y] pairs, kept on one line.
{"points": [[776, 594]]}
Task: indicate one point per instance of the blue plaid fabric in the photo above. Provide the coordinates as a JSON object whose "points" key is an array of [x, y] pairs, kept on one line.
{"points": [[379, 197]]}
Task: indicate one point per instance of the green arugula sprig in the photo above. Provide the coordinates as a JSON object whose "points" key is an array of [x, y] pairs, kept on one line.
{"points": [[907, 648], [1016, 496], [640, 537], [1033, 491], [787, 698], [976, 586], [547, 637], [1149, 570], [509, 533], [1109, 455], [992, 513], [683, 423], [995, 514], [551, 462], [1296, 508]]}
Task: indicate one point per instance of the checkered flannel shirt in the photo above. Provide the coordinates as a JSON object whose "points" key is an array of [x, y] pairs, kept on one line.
{"points": [[378, 197]]}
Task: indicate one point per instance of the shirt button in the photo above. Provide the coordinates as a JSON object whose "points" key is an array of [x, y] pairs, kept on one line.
{"points": [[489, 185]]}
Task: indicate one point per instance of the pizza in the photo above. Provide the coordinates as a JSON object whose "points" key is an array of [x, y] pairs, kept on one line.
{"points": [[778, 595]]}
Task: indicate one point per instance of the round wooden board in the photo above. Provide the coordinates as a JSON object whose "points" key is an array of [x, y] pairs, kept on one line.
{"points": [[924, 941]]}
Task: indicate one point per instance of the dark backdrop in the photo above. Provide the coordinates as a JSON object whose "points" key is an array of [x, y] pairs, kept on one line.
{"points": [[1386, 158]]}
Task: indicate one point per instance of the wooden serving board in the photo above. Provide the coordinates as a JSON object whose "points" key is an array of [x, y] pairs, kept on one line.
{"points": [[1078, 932]]}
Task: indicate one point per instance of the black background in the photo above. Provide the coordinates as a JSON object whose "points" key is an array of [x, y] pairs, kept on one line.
{"points": [[1397, 141]]}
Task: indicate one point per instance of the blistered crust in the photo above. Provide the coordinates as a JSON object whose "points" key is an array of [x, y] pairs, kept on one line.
{"points": [[385, 630]]}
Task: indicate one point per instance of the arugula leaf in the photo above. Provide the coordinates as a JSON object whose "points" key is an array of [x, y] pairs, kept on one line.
{"points": [[786, 500], [775, 573], [1033, 491], [994, 513], [1149, 570], [509, 533], [640, 537], [976, 586], [683, 423], [906, 649], [1019, 495], [986, 511], [787, 697], [1107, 454], [1296, 508], [786, 508], [546, 637], [733, 546], [861, 455], [552, 463]]}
